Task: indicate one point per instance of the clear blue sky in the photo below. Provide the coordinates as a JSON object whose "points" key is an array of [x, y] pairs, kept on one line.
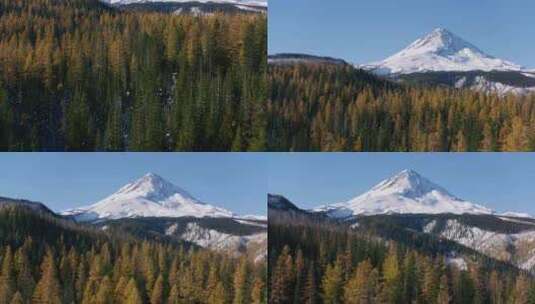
{"points": [[235, 181], [501, 181], [363, 31]]}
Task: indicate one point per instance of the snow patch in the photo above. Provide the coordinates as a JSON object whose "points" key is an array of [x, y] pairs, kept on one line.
{"points": [[458, 262], [430, 226]]}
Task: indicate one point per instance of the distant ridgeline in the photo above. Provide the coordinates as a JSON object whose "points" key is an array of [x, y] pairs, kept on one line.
{"points": [[79, 75], [315, 105]]}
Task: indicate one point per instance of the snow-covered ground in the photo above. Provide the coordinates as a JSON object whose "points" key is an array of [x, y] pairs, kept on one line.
{"points": [[440, 50], [406, 192], [149, 196]]}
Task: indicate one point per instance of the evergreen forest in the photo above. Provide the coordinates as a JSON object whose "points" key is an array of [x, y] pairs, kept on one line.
{"points": [[314, 260], [335, 107], [78, 75], [47, 259]]}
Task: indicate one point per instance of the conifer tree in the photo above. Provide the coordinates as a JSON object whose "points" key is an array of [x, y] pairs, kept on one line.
{"points": [[7, 277], [104, 293], [241, 283], [258, 291], [332, 284], [157, 294], [132, 295], [48, 289]]}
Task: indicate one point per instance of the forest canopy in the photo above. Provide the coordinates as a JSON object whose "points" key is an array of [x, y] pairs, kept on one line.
{"points": [[46, 259], [325, 107], [76, 75]]}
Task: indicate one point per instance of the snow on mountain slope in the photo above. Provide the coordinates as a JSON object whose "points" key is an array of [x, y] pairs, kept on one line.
{"points": [[516, 248], [149, 196], [216, 240], [246, 3], [516, 214], [406, 192], [483, 85], [440, 50]]}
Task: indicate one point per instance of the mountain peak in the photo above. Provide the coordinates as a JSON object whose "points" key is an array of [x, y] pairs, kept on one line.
{"points": [[408, 183], [149, 196], [444, 43], [405, 192], [440, 50], [153, 187]]}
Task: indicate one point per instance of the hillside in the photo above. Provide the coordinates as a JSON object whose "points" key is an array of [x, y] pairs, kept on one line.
{"points": [[377, 259], [326, 107], [52, 260]]}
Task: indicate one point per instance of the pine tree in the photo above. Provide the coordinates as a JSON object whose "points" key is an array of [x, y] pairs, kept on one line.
{"points": [[157, 294], [391, 275], [258, 291], [310, 290], [241, 283], [332, 284], [443, 293], [7, 277], [133, 296], [521, 290], [104, 294], [356, 290], [48, 289], [281, 284], [217, 295]]}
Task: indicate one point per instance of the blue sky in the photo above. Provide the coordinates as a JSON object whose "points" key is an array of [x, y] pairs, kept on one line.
{"points": [[235, 181], [500, 181], [364, 31]]}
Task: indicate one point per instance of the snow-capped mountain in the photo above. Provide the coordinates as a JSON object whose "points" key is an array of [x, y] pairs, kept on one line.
{"points": [[443, 58], [149, 196], [406, 192], [440, 50]]}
